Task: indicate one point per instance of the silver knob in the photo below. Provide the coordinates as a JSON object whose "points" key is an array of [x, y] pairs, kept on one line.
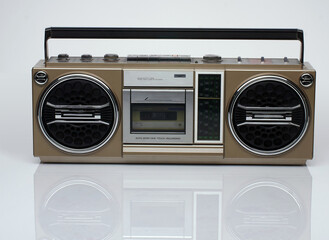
{"points": [[306, 80], [41, 77], [111, 57]]}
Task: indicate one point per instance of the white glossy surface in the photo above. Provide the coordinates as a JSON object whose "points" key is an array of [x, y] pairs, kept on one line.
{"points": [[24, 186], [65, 201], [171, 202]]}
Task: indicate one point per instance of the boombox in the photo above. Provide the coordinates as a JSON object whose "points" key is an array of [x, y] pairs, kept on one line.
{"points": [[173, 108]]}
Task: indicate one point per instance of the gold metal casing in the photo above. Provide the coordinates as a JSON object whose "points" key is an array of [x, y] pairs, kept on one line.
{"points": [[230, 152], [111, 77], [304, 148]]}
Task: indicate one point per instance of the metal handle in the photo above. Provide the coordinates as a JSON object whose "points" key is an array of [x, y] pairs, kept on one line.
{"points": [[175, 33]]}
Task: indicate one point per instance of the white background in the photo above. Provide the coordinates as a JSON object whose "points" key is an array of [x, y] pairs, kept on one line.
{"points": [[22, 26]]}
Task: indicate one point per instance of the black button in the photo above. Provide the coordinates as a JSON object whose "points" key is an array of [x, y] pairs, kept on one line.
{"points": [[63, 57], [86, 58], [111, 57]]}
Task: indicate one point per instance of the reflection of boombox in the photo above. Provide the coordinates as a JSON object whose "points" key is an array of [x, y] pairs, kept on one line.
{"points": [[117, 202], [173, 109]]}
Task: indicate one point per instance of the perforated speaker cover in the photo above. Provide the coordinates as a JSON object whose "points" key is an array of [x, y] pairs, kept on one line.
{"points": [[268, 115], [78, 113]]}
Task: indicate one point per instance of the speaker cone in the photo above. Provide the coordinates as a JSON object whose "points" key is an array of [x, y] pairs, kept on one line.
{"points": [[78, 113], [268, 115]]}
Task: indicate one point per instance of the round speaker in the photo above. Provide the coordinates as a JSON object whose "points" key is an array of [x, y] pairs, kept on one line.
{"points": [[268, 115], [78, 113]]}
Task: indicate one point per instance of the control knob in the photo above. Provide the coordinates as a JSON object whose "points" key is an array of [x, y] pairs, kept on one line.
{"points": [[111, 57], [212, 58], [86, 58]]}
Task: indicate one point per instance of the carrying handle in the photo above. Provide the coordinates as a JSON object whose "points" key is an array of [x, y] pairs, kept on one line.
{"points": [[175, 33]]}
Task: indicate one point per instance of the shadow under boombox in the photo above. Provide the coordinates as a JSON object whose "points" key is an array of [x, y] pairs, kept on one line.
{"points": [[173, 108], [98, 202]]}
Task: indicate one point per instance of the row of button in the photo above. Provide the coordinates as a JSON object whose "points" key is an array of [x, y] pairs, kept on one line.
{"points": [[114, 57], [111, 57], [262, 60]]}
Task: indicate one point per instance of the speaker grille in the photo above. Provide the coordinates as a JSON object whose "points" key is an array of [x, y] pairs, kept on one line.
{"points": [[268, 115], [78, 113]]}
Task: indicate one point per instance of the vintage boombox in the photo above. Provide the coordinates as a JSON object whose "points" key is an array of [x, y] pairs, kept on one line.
{"points": [[173, 108]]}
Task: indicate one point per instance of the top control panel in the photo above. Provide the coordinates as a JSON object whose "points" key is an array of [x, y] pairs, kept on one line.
{"points": [[206, 59]]}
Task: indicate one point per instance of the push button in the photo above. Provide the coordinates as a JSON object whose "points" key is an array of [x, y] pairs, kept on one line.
{"points": [[63, 57], [111, 57], [86, 58]]}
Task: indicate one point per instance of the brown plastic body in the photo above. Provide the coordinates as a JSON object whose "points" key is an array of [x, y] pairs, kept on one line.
{"points": [[231, 152]]}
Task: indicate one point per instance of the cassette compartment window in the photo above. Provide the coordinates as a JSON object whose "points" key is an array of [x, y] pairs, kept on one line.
{"points": [[157, 117]]}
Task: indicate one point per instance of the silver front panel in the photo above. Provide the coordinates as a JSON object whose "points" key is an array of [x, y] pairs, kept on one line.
{"points": [[173, 97], [158, 78]]}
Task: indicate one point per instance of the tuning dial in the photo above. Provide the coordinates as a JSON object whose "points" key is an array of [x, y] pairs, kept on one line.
{"points": [[212, 58], [111, 57]]}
